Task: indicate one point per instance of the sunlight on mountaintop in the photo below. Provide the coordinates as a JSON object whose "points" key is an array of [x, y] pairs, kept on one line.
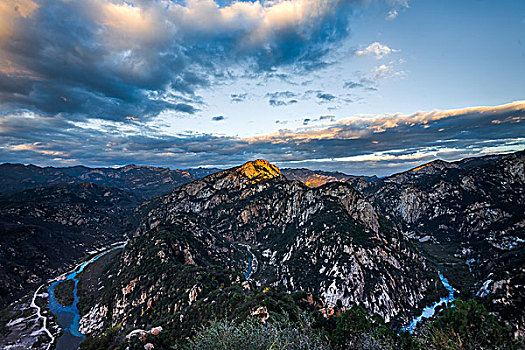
{"points": [[258, 170], [422, 166]]}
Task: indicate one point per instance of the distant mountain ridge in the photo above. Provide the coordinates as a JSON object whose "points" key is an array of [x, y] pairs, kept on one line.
{"points": [[315, 178], [143, 181]]}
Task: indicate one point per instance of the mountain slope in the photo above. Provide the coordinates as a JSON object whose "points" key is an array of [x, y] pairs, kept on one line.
{"points": [[469, 216], [316, 178], [47, 228], [328, 241], [143, 181]]}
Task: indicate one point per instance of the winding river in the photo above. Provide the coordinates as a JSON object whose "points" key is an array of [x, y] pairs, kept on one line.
{"points": [[252, 264], [429, 311], [68, 316]]}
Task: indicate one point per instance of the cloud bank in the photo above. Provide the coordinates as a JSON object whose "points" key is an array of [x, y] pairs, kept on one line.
{"points": [[374, 144], [112, 59]]}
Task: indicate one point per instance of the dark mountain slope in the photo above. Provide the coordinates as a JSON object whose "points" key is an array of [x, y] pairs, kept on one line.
{"points": [[144, 181], [47, 228]]}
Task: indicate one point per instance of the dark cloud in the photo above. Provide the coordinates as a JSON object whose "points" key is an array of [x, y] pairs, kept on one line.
{"points": [[322, 96], [363, 83], [238, 97], [281, 98], [375, 145], [325, 118], [279, 103], [217, 118], [326, 97], [281, 94], [112, 60], [352, 85]]}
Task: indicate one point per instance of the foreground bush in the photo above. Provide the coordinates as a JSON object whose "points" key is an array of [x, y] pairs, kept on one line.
{"points": [[253, 334], [467, 326], [357, 329]]}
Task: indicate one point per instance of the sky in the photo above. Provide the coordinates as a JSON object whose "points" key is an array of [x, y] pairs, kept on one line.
{"points": [[366, 87]]}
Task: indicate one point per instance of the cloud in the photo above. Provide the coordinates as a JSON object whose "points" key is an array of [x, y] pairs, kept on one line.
{"points": [[281, 98], [326, 97], [392, 14], [325, 118], [369, 144], [281, 94], [363, 83], [386, 71], [322, 96], [352, 85], [376, 49], [397, 6], [236, 98], [113, 59], [217, 118], [278, 103]]}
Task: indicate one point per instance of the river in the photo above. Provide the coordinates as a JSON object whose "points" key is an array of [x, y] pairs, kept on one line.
{"points": [[68, 316], [252, 263], [429, 311]]}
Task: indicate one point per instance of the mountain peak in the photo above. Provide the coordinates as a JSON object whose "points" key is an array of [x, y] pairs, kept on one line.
{"points": [[258, 170]]}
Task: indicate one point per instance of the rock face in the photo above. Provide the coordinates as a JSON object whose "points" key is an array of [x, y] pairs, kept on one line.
{"points": [[470, 216], [329, 241]]}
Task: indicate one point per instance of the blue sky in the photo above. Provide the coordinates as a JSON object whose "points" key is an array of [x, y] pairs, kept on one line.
{"points": [[365, 87]]}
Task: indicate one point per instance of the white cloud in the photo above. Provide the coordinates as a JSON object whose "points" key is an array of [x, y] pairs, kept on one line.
{"points": [[117, 59], [400, 3], [376, 49], [249, 25], [392, 14], [397, 5], [386, 71]]}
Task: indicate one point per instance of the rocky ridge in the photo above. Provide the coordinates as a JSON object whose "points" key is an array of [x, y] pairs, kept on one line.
{"points": [[316, 178], [327, 241], [469, 217]]}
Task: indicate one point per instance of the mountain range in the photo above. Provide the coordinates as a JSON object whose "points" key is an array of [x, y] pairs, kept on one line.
{"points": [[261, 241]]}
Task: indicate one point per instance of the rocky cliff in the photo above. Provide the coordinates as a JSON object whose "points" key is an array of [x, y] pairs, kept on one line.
{"points": [[469, 216], [327, 241]]}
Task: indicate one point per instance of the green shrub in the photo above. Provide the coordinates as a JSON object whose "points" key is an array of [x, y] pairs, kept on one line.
{"points": [[253, 334], [467, 326]]}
